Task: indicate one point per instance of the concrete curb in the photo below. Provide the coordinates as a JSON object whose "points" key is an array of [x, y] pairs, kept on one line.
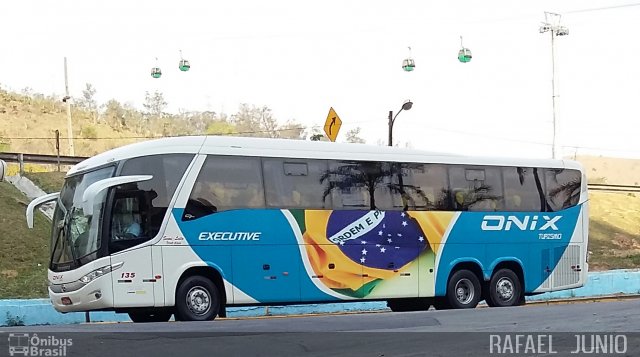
{"points": [[614, 284]]}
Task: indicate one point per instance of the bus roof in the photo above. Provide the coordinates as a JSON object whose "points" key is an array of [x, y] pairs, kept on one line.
{"points": [[242, 146]]}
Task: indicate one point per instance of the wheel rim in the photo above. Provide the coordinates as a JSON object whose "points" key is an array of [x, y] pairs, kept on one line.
{"points": [[198, 300], [464, 291], [505, 289]]}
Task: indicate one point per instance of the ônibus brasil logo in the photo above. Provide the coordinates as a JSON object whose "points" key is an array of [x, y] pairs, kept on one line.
{"points": [[527, 223], [24, 344]]}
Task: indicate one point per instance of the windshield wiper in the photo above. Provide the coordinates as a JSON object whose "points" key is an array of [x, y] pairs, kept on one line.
{"points": [[67, 234], [55, 243]]}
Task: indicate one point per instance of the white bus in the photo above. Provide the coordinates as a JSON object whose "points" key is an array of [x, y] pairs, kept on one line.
{"points": [[192, 225]]}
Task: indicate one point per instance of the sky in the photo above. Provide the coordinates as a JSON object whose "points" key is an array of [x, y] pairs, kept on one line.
{"points": [[301, 58]]}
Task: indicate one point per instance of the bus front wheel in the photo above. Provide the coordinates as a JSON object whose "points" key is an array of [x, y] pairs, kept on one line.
{"points": [[505, 289], [463, 290], [197, 299]]}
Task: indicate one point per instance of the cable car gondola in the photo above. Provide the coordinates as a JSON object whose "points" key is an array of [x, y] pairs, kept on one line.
{"points": [[408, 64], [184, 65], [156, 72], [464, 55]]}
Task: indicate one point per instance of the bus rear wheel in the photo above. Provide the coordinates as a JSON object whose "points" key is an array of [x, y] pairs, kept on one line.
{"points": [[505, 289], [464, 290], [197, 299], [150, 316]]}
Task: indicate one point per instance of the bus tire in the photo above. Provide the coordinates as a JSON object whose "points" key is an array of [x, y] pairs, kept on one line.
{"points": [[505, 289], [197, 299], [464, 290]]}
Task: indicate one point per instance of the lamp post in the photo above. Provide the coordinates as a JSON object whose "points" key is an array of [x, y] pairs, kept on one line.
{"points": [[67, 99], [392, 119], [552, 25]]}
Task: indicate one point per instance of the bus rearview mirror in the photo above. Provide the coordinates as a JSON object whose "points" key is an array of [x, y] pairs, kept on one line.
{"points": [[94, 190]]}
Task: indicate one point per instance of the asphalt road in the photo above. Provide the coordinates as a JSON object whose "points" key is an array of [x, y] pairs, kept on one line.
{"points": [[430, 333]]}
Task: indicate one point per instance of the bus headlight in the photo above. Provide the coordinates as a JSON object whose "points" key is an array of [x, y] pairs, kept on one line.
{"points": [[99, 272]]}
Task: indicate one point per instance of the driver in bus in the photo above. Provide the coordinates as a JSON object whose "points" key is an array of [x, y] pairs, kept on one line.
{"points": [[134, 228]]}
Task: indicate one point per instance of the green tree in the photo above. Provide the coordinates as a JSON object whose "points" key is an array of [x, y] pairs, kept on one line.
{"points": [[198, 122], [251, 120], [291, 130], [88, 101], [315, 134], [154, 104], [353, 136], [221, 127], [114, 114]]}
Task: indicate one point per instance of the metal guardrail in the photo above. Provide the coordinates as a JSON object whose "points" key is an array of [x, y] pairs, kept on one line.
{"points": [[613, 188], [40, 159]]}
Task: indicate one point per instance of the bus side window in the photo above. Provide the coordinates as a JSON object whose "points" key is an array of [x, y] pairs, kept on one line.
{"points": [[523, 189], [295, 183], [433, 181], [225, 183], [563, 188], [347, 184], [477, 188]]}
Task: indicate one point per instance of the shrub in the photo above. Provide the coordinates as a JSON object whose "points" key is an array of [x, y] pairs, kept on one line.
{"points": [[89, 132]]}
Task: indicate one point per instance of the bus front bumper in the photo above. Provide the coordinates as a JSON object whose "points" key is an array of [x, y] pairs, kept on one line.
{"points": [[96, 295]]}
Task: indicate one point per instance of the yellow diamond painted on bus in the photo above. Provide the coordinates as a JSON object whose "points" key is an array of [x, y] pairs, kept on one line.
{"points": [[332, 125]]}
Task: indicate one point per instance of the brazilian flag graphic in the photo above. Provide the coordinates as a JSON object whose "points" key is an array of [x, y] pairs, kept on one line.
{"points": [[352, 251]]}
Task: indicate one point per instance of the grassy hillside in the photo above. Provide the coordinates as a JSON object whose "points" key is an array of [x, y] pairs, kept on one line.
{"points": [[48, 181], [614, 236], [611, 170], [28, 124], [23, 251]]}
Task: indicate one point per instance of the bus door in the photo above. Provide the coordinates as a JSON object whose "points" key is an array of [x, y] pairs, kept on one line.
{"points": [[134, 282]]}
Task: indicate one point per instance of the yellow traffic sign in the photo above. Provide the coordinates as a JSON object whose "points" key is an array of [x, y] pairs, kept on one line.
{"points": [[332, 125]]}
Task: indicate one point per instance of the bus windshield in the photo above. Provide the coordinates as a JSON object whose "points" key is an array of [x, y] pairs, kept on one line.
{"points": [[75, 238]]}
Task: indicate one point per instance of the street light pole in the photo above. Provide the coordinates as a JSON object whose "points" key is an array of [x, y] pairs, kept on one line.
{"points": [[392, 119], [554, 150], [67, 99], [552, 25], [391, 128]]}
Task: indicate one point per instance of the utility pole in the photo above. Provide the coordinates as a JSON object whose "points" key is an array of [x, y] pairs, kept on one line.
{"points": [[552, 24], [58, 147], [67, 99]]}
